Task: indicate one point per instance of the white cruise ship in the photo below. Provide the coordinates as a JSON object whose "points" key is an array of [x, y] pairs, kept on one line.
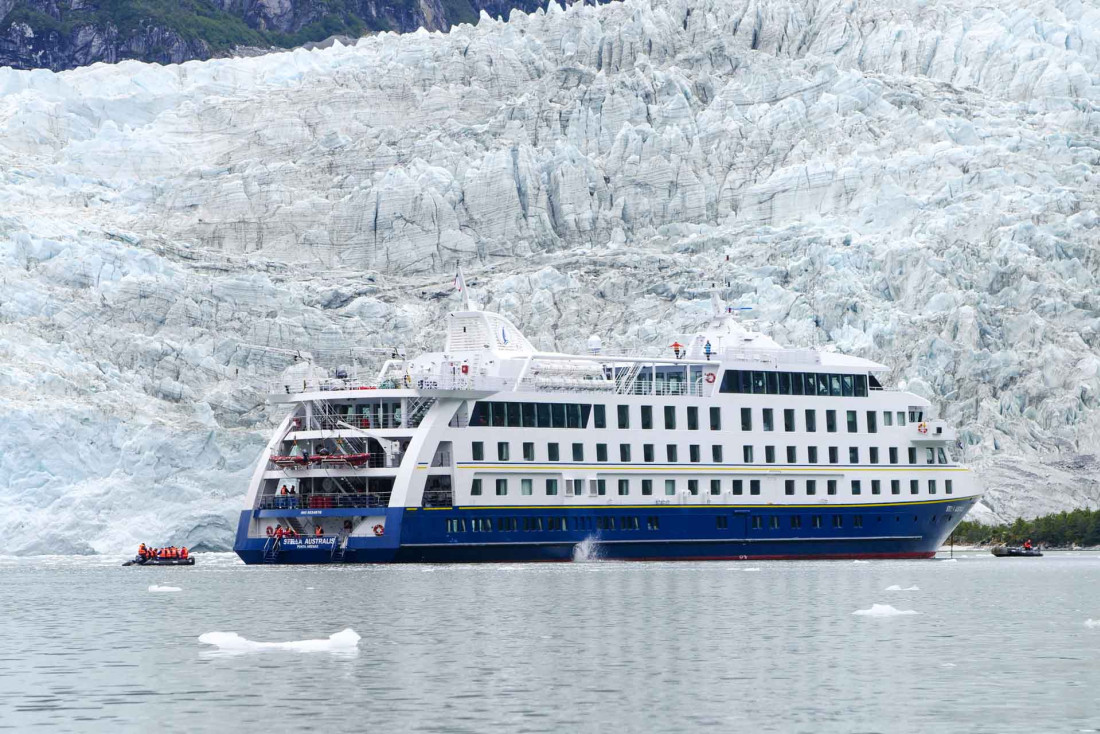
{"points": [[728, 447]]}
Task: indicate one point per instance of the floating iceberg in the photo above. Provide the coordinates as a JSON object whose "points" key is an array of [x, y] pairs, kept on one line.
{"points": [[883, 610], [1092, 623], [161, 589], [344, 641], [895, 587]]}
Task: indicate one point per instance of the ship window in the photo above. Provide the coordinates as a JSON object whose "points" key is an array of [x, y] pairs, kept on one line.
{"points": [[693, 418], [931, 486], [912, 455], [788, 486], [731, 381], [716, 486], [498, 413], [874, 454], [746, 419], [525, 487], [810, 381], [601, 452], [834, 386], [872, 423], [895, 486], [542, 415], [901, 418], [838, 521], [758, 383], [853, 454], [792, 455], [893, 454], [477, 450], [715, 419], [772, 380], [834, 455], [600, 486], [502, 451], [788, 419], [830, 486], [557, 415], [624, 452], [773, 522], [528, 451], [647, 453], [784, 383], [796, 522], [578, 452], [754, 486], [670, 417], [811, 421], [480, 416], [722, 522], [693, 486], [811, 486], [738, 487], [852, 426], [876, 486], [796, 383], [693, 453], [599, 416], [551, 488], [947, 486], [861, 386], [769, 454], [670, 453], [624, 487], [942, 456], [647, 416], [914, 486], [816, 521], [747, 451], [515, 419], [811, 454], [887, 418], [830, 421], [931, 454], [530, 416], [653, 523], [624, 416], [573, 416], [857, 521], [769, 423], [647, 487], [552, 452], [757, 523], [670, 486], [846, 385], [475, 488], [502, 487], [856, 489], [716, 453]]}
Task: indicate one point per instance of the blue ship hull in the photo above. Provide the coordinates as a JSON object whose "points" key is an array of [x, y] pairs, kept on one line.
{"points": [[628, 533]]}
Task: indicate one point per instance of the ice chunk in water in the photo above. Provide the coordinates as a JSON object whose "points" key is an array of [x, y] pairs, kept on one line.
{"points": [[344, 641], [857, 561], [1092, 623], [895, 587], [883, 610], [156, 588]]}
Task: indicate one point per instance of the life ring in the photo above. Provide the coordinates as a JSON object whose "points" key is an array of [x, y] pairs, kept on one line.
{"points": [[465, 369], [710, 377], [378, 529], [270, 531], [923, 428]]}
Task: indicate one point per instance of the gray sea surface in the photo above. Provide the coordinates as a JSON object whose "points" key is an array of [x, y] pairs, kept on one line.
{"points": [[998, 645]]}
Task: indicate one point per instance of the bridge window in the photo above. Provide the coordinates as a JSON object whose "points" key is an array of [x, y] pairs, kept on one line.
{"points": [[647, 487], [475, 487], [693, 418], [477, 450], [846, 385], [861, 386]]}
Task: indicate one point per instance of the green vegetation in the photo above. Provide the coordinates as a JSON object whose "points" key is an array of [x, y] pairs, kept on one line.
{"points": [[1080, 527]]}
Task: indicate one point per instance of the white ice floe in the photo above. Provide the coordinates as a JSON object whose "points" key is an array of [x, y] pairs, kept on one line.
{"points": [[895, 587], [883, 610], [750, 570], [344, 641], [857, 561], [1092, 623], [949, 560], [155, 588]]}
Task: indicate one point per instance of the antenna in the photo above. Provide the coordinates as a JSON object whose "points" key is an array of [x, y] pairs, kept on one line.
{"points": [[460, 284]]}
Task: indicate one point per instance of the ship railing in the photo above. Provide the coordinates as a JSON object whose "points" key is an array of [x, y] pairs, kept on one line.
{"points": [[369, 500], [354, 461], [338, 421], [646, 387]]}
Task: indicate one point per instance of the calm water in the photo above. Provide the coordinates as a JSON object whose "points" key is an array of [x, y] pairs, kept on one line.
{"points": [[998, 645]]}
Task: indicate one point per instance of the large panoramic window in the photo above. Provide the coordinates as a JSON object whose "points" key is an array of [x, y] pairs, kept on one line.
{"points": [[531, 415], [768, 382]]}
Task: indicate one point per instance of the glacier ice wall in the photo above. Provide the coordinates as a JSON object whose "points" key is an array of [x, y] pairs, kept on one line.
{"points": [[914, 181]]}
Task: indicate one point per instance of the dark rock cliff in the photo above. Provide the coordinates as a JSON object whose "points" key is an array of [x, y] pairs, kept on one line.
{"points": [[62, 34]]}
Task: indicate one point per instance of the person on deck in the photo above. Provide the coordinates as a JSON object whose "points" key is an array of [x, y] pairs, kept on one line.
{"points": [[706, 348], [279, 532], [318, 531], [183, 553], [141, 551], [1027, 544]]}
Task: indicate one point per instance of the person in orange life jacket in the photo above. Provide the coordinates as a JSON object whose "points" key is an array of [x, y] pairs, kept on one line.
{"points": [[1027, 544], [183, 552], [318, 530], [141, 551], [284, 490], [279, 531]]}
